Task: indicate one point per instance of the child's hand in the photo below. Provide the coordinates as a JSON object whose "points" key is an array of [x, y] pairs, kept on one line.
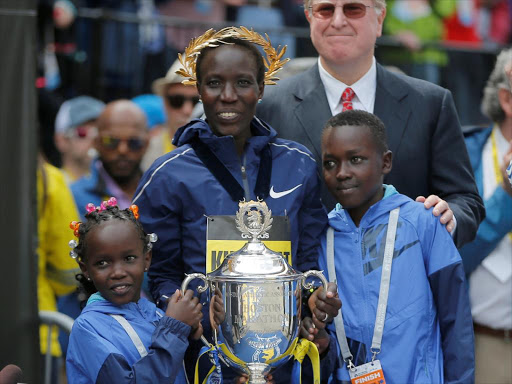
{"points": [[185, 308], [324, 305], [217, 314]]}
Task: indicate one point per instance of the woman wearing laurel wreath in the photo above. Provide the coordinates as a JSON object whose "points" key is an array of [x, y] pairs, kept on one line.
{"points": [[219, 161]]}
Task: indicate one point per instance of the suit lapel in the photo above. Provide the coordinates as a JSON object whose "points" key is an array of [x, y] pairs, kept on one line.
{"points": [[391, 106], [313, 109]]}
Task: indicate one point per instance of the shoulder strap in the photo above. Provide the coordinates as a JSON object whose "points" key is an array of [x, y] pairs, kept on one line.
{"points": [[224, 176], [132, 334]]}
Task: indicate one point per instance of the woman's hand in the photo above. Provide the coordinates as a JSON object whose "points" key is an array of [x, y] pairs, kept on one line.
{"points": [[324, 305]]}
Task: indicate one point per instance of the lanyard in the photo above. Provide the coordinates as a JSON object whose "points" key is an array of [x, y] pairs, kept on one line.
{"points": [[383, 290], [496, 163]]}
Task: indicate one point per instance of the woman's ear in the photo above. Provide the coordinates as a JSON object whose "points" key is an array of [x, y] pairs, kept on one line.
{"points": [[387, 162], [261, 90]]}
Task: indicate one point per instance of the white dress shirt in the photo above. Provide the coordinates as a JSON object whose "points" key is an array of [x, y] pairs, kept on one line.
{"points": [[364, 88]]}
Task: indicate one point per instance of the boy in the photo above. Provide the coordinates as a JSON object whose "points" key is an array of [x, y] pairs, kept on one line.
{"points": [[425, 335]]}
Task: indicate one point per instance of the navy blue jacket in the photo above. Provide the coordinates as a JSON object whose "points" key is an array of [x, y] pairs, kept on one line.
{"points": [[178, 192]]}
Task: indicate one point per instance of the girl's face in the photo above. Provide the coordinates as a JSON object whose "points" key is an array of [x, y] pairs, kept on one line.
{"points": [[229, 90], [115, 261]]}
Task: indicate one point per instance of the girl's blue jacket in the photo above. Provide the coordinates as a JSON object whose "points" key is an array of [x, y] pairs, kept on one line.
{"points": [[428, 331], [100, 350]]}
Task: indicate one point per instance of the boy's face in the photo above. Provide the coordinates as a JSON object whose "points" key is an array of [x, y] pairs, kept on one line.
{"points": [[353, 167], [115, 261]]}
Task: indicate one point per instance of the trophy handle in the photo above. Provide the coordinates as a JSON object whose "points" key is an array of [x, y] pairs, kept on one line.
{"points": [[191, 277], [200, 289], [318, 274]]}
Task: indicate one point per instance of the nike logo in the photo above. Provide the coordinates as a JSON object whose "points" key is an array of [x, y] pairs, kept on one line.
{"points": [[277, 195]]}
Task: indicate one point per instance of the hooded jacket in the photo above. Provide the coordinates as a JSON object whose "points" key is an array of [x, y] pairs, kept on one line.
{"points": [[100, 350], [428, 331], [178, 191]]}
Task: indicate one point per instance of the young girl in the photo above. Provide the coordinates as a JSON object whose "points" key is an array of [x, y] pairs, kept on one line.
{"points": [[119, 336]]}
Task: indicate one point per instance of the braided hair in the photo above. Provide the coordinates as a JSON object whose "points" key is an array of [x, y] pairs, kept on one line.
{"points": [[93, 220]]}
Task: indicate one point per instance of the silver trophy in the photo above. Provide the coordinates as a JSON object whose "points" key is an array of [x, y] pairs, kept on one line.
{"points": [[261, 293]]}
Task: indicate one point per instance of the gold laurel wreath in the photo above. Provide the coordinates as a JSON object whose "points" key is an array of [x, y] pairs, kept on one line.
{"points": [[213, 39]]}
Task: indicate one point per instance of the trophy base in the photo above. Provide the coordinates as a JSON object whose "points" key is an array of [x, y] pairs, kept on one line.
{"points": [[257, 372]]}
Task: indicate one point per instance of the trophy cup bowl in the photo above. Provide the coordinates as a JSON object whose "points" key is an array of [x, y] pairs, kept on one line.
{"points": [[261, 296]]}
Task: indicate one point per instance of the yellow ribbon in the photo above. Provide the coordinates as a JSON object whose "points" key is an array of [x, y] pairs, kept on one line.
{"points": [[496, 163], [299, 350], [306, 347]]}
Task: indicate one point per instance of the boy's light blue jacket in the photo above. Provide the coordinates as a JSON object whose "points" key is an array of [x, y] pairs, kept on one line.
{"points": [[428, 332], [100, 350]]}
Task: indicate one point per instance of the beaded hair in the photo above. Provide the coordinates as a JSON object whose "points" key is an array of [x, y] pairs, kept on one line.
{"points": [[108, 210]]}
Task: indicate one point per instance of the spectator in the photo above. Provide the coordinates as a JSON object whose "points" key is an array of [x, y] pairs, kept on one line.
{"points": [[423, 129], [153, 107], [56, 276], [472, 24], [179, 101], [75, 131], [414, 23], [487, 259], [121, 142]]}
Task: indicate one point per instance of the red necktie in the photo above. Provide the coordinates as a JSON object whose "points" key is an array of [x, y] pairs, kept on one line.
{"points": [[346, 99]]}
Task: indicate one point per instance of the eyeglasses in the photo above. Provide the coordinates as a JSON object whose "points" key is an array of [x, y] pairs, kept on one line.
{"points": [[325, 11], [177, 100], [112, 143]]}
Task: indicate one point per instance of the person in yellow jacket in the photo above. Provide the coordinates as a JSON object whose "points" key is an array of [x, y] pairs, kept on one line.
{"points": [[56, 269]]}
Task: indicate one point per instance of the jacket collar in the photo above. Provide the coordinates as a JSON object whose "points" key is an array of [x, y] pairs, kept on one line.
{"points": [[340, 220]]}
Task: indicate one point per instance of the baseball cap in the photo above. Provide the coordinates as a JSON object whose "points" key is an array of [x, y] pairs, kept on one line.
{"points": [[153, 107], [77, 111], [171, 77]]}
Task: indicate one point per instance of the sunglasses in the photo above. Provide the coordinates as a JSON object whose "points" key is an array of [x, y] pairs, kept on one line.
{"points": [[112, 143], [177, 101], [82, 132], [350, 10]]}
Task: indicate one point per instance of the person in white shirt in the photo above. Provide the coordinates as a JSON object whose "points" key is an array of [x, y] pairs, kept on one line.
{"points": [[431, 162], [488, 259]]}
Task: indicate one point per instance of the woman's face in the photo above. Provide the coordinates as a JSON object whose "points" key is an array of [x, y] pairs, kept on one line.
{"points": [[229, 90]]}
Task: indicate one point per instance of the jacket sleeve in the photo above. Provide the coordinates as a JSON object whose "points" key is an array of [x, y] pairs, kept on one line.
{"points": [[451, 175], [497, 223], [160, 212], [449, 289], [96, 360], [312, 222]]}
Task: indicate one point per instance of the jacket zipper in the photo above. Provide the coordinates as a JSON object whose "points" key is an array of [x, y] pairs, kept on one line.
{"points": [[245, 182]]}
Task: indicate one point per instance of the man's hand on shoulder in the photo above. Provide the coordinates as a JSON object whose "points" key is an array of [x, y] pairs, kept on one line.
{"points": [[441, 210]]}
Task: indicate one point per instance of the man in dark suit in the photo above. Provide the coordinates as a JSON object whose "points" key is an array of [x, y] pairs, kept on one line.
{"points": [[430, 162]]}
